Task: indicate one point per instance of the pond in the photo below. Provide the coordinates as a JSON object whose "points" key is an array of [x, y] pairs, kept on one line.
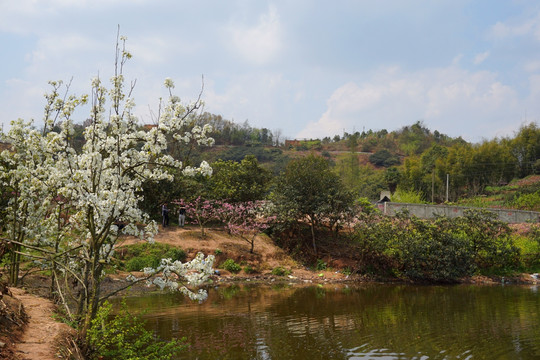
{"points": [[344, 322]]}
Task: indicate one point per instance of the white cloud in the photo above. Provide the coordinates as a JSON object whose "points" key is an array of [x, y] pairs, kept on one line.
{"points": [[262, 98], [238, 46], [22, 99], [154, 50], [261, 43], [36, 16], [457, 59], [451, 100], [59, 57], [532, 66], [480, 58], [65, 44], [519, 28]]}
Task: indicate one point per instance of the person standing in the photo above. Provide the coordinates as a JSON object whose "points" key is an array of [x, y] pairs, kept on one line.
{"points": [[181, 216], [165, 214]]}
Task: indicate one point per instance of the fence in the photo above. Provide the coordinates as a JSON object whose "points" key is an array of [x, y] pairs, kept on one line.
{"points": [[430, 211]]}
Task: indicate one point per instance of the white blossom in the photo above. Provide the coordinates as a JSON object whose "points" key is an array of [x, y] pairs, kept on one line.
{"points": [[169, 83], [176, 275], [88, 190]]}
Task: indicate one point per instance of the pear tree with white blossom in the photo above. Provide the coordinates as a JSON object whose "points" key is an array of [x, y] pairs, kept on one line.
{"points": [[67, 204]]}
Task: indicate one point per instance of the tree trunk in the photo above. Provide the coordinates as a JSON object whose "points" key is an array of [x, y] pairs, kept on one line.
{"points": [[14, 265], [312, 224], [252, 243]]}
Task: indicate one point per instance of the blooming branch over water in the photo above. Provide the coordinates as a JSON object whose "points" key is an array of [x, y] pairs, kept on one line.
{"points": [[183, 277]]}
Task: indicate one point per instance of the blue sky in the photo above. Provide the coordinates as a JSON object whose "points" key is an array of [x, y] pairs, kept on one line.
{"points": [[308, 68]]}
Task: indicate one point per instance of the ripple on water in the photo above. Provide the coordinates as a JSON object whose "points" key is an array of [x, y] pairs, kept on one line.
{"points": [[381, 322]]}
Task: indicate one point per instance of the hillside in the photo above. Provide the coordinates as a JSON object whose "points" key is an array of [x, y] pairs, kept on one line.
{"points": [[266, 257], [520, 194]]}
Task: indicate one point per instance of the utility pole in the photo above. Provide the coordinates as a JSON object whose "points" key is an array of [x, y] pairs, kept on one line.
{"points": [[447, 185], [432, 186]]}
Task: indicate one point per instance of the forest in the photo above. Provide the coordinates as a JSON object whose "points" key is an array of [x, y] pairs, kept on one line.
{"points": [[414, 163]]}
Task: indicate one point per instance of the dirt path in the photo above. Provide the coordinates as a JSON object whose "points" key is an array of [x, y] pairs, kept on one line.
{"points": [[37, 342]]}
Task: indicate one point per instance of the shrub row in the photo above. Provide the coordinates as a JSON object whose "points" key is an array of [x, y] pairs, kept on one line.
{"points": [[442, 250]]}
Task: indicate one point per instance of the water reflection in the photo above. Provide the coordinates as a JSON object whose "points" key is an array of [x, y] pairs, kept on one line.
{"points": [[382, 322]]}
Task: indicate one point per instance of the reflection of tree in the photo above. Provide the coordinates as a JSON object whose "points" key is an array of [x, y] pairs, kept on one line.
{"points": [[336, 323], [229, 292], [449, 317]]}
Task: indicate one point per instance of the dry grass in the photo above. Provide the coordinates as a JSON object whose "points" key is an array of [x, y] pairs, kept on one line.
{"points": [[266, 256]]}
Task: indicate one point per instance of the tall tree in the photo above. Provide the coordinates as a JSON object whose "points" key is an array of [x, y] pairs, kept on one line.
{"points": [[526, 149], [305, 191], [239, 181], [392, 177]]}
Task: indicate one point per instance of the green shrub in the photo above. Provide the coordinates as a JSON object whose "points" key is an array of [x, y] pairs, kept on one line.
{"points": [[417, 249], [529, 249], [321, 265], [528, 201], [137, 257], [248, 269], [384, 158], [123, 336], [442, 250], [374, 237], [280, 271], [366, 206], [535, 234], [139, 263], [434, 255], [436, 250], [490, 239], [176, 254], [231, 265], [410, 197]]}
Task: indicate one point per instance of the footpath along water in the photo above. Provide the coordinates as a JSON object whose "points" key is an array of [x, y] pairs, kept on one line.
{"points": [[344, 322]]}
